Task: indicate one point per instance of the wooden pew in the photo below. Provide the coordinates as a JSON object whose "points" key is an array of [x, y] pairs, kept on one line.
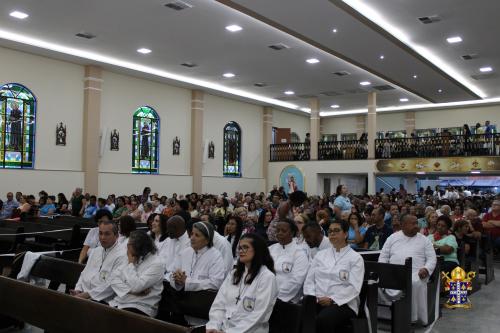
{"points": [[487, 268], [433, 289], [60, 313], [391, 276]]}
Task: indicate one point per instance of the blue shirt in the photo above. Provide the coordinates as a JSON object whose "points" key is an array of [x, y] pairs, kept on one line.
{"points": [[343, 203], [89, 211], [44, 211], [8, 207], [352, 236]]}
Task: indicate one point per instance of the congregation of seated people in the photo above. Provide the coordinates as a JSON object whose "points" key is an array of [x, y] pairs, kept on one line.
{"points": [[257, 250]]}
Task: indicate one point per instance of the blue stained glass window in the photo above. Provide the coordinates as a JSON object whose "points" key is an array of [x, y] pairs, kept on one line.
{"points": [[17, 126], [145, 141], [232, 150]]}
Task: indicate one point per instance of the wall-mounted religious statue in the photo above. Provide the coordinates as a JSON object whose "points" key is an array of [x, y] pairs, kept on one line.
{"points": [[211, 150], [61, 134], [176, 146], [115, 140]]}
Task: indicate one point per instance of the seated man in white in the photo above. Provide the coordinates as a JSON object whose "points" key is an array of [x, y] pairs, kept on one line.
{"points": [[410, 243], [104, 259], [178, 240], [138, 284], [315, 240]]}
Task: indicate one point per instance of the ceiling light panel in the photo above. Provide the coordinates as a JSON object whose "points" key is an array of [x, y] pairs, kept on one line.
{"points": [[234, 28], [144, 50], [312, 61], [19, 15], [454, 39]]}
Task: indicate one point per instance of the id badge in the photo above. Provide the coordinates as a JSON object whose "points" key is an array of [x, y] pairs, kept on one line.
{"points": [[343, 275]]}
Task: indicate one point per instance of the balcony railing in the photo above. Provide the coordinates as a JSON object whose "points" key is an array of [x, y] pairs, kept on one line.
{"points": [[439, 146], [343, 150], [290, 152]]}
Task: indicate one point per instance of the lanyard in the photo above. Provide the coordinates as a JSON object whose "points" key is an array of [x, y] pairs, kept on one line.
{"points": [[194, 261], [240, 291], [105, 253]]}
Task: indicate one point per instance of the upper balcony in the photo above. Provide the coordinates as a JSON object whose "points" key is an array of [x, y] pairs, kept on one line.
{"points": [[444, 145]]}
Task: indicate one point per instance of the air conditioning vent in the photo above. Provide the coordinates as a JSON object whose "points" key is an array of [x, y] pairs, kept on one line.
{"points": [[484, 76], [178, 5], [260, 84], [356, 91], [429, 19], [470, 56], [341, 73], [384, 87], [330, 93], [85, 35], [189, 64], [279, 47], [306, 96]]}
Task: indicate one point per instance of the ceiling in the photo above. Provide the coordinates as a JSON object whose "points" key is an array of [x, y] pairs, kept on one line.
{"points": [[198, 35]]}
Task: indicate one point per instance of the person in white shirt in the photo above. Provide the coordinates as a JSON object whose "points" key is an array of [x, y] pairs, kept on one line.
{"points": [[106, 258], [139, 283], [233, 231], [315, 239], [410, 243], [126, 224], [200, 266], [178, 241], [92, 239], [290, 262], [221, 244], [159, 231], [335, 279], [247, 296]]}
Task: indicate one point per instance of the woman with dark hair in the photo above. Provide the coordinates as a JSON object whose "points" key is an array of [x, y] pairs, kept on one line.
{"points": [[335, 279], [62, 204], [234, 230], [200, 266], [126, 224], [444, 243], [356, 231], [290, 262], [246, 298], [159, 231], [138, 285], [342, 202], [265, 218]]}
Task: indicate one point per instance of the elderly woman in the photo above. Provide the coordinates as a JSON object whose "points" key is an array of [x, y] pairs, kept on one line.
{"points": [[445, 243], [430, 227], [138, 285], [335, 279]]}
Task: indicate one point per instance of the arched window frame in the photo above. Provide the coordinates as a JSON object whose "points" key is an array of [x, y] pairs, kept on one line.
{"points": [[145, 161], [22, 155], [231, 164]]}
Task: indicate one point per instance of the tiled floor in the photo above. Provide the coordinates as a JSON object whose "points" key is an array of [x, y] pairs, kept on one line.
{"points": [[483, 317]]}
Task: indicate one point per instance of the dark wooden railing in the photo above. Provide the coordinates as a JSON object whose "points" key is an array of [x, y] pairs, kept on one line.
{"points": [[439, 146], [290, 152], [343, 150]]}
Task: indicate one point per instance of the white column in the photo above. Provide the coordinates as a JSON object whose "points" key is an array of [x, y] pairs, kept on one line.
{"points": [[372, 123], [315, 125]]}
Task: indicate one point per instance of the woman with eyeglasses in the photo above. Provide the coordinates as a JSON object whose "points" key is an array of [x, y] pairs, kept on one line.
{"points": [[335, 279], [246, 298]]}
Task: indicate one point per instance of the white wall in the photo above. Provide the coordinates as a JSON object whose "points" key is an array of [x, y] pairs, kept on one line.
{"points": [[338, 125], [299, 124], [217, 113], [458, 117]]}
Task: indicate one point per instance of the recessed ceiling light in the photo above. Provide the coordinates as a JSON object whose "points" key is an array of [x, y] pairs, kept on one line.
{"points": [[440, 90], [382, 57], [485, 69], [415, 76], [234, 28], [312, 61], [334, 106], [334, 30], [365, 83], [403, 100], [19, 15], [289, 92], [228, 75], [453, 40], [144, 50]]}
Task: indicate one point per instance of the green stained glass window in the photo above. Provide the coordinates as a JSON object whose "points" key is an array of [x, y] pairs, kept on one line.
{"points": [[232, 150], [17, 126], [145, 141]]}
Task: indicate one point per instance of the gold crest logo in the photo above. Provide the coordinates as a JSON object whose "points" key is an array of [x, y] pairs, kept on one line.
{"points": [[458, 287]]}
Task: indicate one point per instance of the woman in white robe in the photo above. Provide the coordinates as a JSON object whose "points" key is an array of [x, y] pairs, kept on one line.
{"points": [[246, 298]]}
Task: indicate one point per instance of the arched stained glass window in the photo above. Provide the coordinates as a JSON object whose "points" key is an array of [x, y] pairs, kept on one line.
{"points": [[17, 126], [145, 140], [232, 150]]}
